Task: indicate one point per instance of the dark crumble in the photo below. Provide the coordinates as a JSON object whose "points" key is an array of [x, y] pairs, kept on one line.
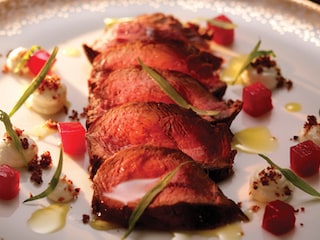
{"points": [[24, 143], [36, 171], [295, 138], [51, 82], [76, 116], [45, 161], [85, 218], [311, 121], [37, 165]]}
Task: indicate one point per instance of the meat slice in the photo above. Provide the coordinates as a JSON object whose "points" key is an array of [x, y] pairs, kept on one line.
{"points": [[169, 55], [166, 125], [151, 26], [190, 201], [133, 84]]}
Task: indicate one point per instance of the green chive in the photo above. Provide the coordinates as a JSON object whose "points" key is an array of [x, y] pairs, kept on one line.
{"points": [[53, 183], [172, 93], [25, 58], [221, 24], [4, 117], [253, 54], [293, 178], [148, 197], [36, 82]]}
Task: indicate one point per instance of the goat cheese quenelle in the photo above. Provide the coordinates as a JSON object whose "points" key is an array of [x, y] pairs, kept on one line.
{"points": [[9, 154], [50, 97], [268, 185]]}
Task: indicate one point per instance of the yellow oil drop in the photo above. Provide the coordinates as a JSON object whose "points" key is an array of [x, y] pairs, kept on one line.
{"points": [[228, 232], [71, 52], [229, 74], [293, 107], [103, 225], [41, 131], [255, 140], [48, 219]]}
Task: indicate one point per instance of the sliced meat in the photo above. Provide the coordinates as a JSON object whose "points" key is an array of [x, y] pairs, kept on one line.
{"points": [[191, 200], [167, 55], [154, 26], [133, 84], [166, 125]]}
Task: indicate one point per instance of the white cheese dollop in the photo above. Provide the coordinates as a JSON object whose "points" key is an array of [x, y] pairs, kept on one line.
{"points": [[268, 76], [13, 59], [64, 192], [312, 134], [268, 185], [50, 97], [9, 154], [310, 131]]}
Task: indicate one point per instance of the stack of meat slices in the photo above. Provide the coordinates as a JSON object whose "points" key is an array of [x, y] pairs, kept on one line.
{"points": [[137, 134]]}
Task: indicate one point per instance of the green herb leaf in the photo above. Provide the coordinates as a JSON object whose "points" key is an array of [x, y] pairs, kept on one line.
{"points": [[293, 178], [222, 24], [25, 58], [148, 197], [53, 183], [36, 82], [172, 93], [253, 54], [4, 117]]}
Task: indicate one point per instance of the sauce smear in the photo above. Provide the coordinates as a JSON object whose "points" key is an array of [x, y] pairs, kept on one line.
{"points": [[48, 219], [227, 232], [255, 140], [293, 107]]}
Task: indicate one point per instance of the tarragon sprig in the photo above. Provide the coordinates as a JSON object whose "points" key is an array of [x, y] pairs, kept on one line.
{"points": [[172, 93], [36, 82], [255, 52], [4, 117], [148, 197]]}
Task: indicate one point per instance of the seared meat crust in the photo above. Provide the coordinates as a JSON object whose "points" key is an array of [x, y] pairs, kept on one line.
{"points": [[184, 204], [159, 124], [167, 55], [156, 26], [132, 84]]}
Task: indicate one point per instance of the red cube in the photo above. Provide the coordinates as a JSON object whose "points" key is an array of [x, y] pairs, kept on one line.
{"points": [[9, 182], [256, 99], [72, 137], [278, 217], [221, 35], [305, 158]]}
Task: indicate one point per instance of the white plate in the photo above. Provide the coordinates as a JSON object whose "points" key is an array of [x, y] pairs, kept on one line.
{"points": [[290, 28]]}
